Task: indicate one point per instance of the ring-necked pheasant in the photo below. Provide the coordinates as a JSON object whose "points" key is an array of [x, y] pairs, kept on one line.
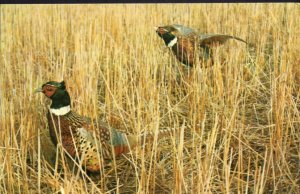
{"points": [[185, 42], [77, 132]]}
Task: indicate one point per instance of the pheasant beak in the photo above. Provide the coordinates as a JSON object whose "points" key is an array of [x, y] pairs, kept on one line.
{"points": [[40, 89]]}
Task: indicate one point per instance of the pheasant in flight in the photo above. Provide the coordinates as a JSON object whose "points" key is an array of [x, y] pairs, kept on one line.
{"points": [[186, 43]]}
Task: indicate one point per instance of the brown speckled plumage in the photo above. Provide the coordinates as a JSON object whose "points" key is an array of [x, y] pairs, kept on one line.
{"points": [[184, 50], [191, 46], [80, 137], [67, 128]]}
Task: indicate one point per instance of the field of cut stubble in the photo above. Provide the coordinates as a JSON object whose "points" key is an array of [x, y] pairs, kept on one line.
{"points": [[237, 125]]}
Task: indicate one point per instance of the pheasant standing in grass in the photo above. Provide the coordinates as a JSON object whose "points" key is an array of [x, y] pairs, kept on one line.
{"points": [[80, 136], [186, 43]]}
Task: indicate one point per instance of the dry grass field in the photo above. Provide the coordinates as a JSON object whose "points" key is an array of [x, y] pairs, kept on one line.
{"points": [[236, 125]]}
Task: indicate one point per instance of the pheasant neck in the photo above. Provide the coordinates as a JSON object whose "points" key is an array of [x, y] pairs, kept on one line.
{"points": [[169, 39], [61, 111], [61, 103], [172, 42]]}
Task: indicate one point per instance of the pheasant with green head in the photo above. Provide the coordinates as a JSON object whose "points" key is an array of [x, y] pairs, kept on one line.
{"points": [[81, 137], [188, 45]]}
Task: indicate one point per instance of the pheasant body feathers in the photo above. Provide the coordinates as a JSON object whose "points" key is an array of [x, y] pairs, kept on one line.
{"points": [[86, 144], [188, 45], [83, 139]]}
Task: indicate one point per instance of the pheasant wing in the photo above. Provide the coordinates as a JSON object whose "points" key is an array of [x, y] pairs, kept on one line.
{"points": [[184, 30], [111, 137], [208, 40]]}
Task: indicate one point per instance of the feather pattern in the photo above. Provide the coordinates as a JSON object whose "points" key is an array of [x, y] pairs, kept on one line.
{"points": [[82, 138], [79, 138], [190, 44]]}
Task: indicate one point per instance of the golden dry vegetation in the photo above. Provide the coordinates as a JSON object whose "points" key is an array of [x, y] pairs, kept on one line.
{"points": [[236, 125]]}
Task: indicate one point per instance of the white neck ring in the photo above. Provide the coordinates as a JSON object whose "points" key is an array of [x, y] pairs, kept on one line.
{"points": [[172, 42], [61, 111]]}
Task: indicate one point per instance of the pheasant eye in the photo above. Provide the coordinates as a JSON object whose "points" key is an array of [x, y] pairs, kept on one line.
{"points": [[161, 31]]}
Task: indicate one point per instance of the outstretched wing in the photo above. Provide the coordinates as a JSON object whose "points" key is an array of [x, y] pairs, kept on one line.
{"points": [[207, 40]]}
